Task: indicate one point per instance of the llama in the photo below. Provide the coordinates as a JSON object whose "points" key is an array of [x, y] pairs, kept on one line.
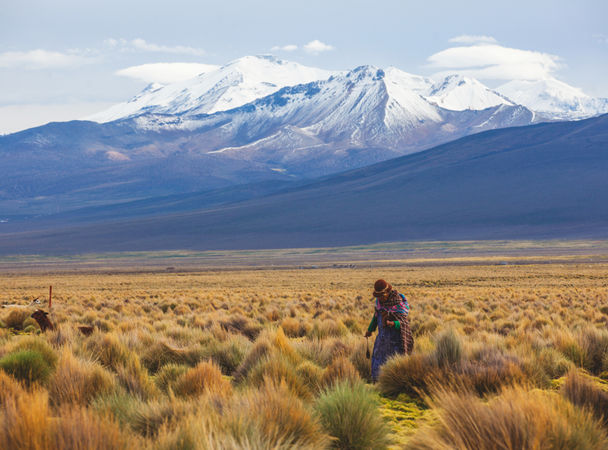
{"points": [[40, 316]]}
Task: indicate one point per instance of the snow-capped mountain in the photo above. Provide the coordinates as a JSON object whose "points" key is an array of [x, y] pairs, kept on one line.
{"points": [[317, 127], [458, 93], [230, 86], [554, 99]]}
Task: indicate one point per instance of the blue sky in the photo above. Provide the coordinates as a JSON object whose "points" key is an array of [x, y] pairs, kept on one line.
{"points": [[61, 60]]}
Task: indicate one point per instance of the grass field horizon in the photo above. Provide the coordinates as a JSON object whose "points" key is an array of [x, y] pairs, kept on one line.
{"points": [[258, 350], [374, 255]]}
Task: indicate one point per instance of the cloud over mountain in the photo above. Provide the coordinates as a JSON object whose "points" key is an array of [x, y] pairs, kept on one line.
{"points": [[486, 60]]}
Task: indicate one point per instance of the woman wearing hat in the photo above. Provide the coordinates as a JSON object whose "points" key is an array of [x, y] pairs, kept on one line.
{"points": [[391, 319]]}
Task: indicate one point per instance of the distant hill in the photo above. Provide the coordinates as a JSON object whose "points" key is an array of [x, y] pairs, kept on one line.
{"points": [[543, 181]]}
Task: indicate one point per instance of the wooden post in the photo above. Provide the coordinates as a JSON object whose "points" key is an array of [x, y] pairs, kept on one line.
{"points": [[50, 295]]}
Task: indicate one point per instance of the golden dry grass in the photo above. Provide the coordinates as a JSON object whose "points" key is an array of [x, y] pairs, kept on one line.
{"points": [[240, 358]]}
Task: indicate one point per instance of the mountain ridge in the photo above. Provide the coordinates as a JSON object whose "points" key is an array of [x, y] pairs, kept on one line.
{"points": [[541, 181]]}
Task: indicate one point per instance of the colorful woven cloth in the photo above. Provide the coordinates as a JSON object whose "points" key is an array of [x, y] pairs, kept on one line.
{"points": [[391, 340]]}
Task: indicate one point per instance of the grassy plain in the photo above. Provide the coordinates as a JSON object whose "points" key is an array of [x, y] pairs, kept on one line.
{"points": [[511, 348]]}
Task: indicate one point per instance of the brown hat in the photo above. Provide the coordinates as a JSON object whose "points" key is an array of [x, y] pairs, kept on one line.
{"points": [[381, 287]]}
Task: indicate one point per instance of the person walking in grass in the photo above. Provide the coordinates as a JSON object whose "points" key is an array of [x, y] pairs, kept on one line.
{"points": [[391, 320]]}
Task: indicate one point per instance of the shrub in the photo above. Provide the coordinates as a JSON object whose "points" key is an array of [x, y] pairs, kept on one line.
{"points": [[78, 382], [205, 377], [38, 345], [28, 366], [349, 413], [516, 419], [581, 391]]}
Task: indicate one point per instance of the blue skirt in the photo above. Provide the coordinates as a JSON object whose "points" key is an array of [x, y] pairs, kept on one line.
{"points": [[388, 342]]}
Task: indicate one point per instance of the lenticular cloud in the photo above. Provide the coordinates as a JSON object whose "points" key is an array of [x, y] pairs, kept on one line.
{"points": [[493, 61]]}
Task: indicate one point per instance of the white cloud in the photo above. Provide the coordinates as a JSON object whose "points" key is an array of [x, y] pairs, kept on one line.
{"points": [[317, 46], [473, 39], [165, 73], [144, 46], [41, 59], [284, 48], [491, 61]]}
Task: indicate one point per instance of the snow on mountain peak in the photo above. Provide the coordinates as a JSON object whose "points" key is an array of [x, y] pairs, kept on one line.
{"points": [[554, 98], [458, 93], [230, 86]]}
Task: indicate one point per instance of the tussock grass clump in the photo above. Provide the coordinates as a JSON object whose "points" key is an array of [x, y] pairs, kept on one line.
{"points": [[161, 353], [148, 418], [79, 429], [205, 377], [261, 348], [489, 371], [594, 344], [15, 318], [108, 350], [293, 327], [552, 362], [341, 369], [281, 418], [583, 392], [238, 323], [24, 421], [516, 419], [78, 382], [279, 368], [27, 422], [135, 379], [349, 413], [168, 375], [28, 366], [408, 374], [448, 351], [361, 362], [230, 354], [204, 433], [311, 374], [36, 344], [328, 328]]}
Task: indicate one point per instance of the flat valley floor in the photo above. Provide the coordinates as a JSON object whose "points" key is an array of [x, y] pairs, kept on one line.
{"points": [[266, 350]]}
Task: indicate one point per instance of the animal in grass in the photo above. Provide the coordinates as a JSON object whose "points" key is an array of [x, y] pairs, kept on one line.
{"points": [[34, 302], [391, 319], [40, 316], [85, 330]]}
